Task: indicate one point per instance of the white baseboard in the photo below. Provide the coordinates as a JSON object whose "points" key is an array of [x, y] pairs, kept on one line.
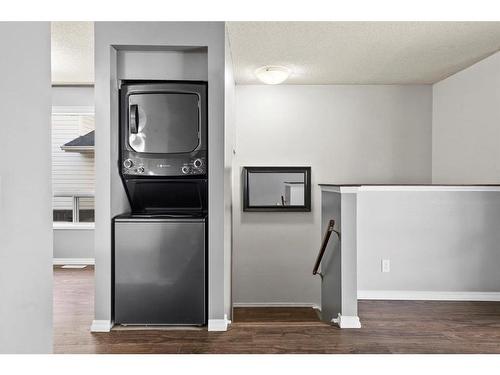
{"points": [[345, 321], [416, 295], [101, 326], [219, 325], [276, 304], [63, 261]]}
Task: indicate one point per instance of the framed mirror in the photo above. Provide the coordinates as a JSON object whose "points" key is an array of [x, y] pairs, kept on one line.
{"points": [[277, 189]]}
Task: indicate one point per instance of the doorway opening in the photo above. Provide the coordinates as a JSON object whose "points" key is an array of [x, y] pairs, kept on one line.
{"points": [[73, 177]]}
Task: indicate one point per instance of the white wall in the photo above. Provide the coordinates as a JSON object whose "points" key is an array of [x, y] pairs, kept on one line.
{"points": [[347, 134], [74, 243], [71, 96], [466, 125], [110, 196], [25, 189], [183, 64]]}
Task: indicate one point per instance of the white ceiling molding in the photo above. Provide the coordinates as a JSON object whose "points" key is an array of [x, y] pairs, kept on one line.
{"points": [[361, 52]]}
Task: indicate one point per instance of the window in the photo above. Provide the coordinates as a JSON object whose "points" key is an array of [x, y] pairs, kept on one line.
{"points": [[73, 209], [73, 171]]}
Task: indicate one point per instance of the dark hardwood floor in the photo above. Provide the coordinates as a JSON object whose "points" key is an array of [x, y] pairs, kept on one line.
{"points": [[388, 327], [275, 315]]}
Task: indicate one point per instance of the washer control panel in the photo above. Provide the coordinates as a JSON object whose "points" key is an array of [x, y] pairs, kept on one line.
{"points": [[196, 166], [133, 165], [128, 163], [198, 163]]}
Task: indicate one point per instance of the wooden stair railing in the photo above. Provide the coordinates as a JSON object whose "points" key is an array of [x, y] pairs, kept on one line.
{"points": [[324, 244]]}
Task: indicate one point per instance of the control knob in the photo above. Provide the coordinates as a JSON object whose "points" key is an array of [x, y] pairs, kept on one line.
{"points": [[128, 163], [198, 163], [185, 169], [140, 170]]}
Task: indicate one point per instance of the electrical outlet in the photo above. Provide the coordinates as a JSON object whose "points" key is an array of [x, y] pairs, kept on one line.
{"points": [[386, 265]]}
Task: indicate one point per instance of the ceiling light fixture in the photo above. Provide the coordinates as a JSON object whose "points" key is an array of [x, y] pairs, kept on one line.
{"points": [[272, 75]]}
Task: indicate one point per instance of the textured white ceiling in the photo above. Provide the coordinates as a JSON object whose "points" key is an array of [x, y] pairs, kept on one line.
{"points": [[361, 52], [318, 52], [72, 52]]}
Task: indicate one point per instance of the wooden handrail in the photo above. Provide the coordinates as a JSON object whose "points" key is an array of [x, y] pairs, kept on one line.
{"points": [[324, 244]]}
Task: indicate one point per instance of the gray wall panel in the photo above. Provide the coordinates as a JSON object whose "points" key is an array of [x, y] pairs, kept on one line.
{"points": [[347, 134], [436, 241], [25, 198], [73, 243], [466, 125]]}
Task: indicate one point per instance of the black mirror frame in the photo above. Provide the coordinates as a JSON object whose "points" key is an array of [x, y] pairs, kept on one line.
{"points": [[307, 189]]}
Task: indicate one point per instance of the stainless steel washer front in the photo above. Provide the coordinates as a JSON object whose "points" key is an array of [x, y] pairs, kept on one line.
{"points": [[160, 271]]}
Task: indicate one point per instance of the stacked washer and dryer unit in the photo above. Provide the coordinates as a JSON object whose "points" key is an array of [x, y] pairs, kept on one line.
{"points": [[160, 247]]}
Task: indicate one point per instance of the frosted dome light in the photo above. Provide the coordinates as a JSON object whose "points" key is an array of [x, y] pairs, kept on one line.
{"points": [[272, 75]]}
